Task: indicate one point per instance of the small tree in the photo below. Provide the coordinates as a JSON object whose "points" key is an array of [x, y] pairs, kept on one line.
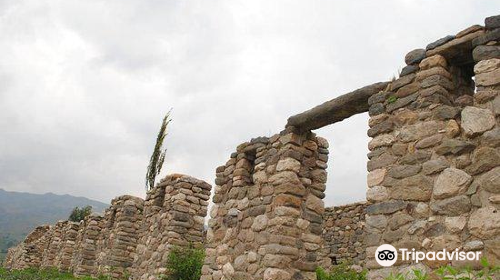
{"points": [[78, 214], [158, 156]]}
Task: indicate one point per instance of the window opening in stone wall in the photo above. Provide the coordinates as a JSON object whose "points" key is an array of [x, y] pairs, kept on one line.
{"points": [[348, 146], [461, 67], [345, 188], [463, 79], [250, 156]]}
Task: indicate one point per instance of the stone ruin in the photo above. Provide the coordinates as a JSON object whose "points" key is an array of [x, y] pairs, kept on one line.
{"points": [[174, 215], [133, 237], [433, 183]]}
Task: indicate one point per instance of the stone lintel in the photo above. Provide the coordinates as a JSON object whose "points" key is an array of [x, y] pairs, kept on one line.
{"points": [[336, 110], [459, 50]]}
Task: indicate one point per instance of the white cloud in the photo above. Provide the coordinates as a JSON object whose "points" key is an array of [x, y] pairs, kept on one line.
{"points": [[84, 84]]}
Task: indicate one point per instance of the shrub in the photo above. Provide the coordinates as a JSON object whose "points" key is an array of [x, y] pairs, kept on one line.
{"points": [[488, 272], [185, 263], [42, 274], [416, 275], [342, 271], [78, 214]]}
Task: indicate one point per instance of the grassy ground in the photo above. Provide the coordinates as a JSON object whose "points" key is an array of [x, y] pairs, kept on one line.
{"points": [[33, 274]]}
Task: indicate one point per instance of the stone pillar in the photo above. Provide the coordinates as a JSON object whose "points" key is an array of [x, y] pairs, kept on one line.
{"points": [[54, 237], [84, 261], [434, 155], [67, 246], [120, 241], [174, 213], [266, 222]]}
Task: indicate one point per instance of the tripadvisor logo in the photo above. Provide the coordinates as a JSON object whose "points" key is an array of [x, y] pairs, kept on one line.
{"points": [[387, 255]]}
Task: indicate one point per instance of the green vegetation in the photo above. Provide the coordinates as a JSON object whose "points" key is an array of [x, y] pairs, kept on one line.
{"points": [[392, 99], [488, 272], [158, 156], [185, 263], [342, 271], [345, 272], [414, 275], [45, 274], [78, 214]]}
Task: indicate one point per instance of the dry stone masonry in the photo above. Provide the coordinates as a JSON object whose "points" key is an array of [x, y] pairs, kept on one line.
{"points": [[29, 253], [61, 241], [131, 239], [434, 160], [344, 233], [84, 260], [174, 214], [433, 184], [120, 236], [55, 236], [267, 219]]}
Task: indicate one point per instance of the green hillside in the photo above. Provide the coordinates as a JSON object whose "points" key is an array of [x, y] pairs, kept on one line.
{"points": [[20, 213]]}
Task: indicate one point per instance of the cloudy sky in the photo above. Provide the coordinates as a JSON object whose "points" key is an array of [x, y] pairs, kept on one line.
{"points": [[84, 84]]}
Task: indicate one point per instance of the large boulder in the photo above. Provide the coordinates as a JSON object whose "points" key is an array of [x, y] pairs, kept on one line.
{"points": [[416, 188], [451, 182], [476, 120], [484, 223], [453, 206]]}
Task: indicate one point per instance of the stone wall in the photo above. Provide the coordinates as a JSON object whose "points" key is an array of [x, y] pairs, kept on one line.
{"points": [[84, 261], [60, 245], [433, 183], [266, 222], [68, 242], [29, 253], [434, 176], [174, 214], [132, 238], [343, 232], [120, 236], [54, 240]]}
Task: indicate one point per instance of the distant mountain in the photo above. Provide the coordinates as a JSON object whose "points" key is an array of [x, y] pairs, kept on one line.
{"points": [[20, 213]]}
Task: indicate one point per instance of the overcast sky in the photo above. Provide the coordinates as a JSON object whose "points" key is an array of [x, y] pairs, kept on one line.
{"points": [[84, 84]]}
